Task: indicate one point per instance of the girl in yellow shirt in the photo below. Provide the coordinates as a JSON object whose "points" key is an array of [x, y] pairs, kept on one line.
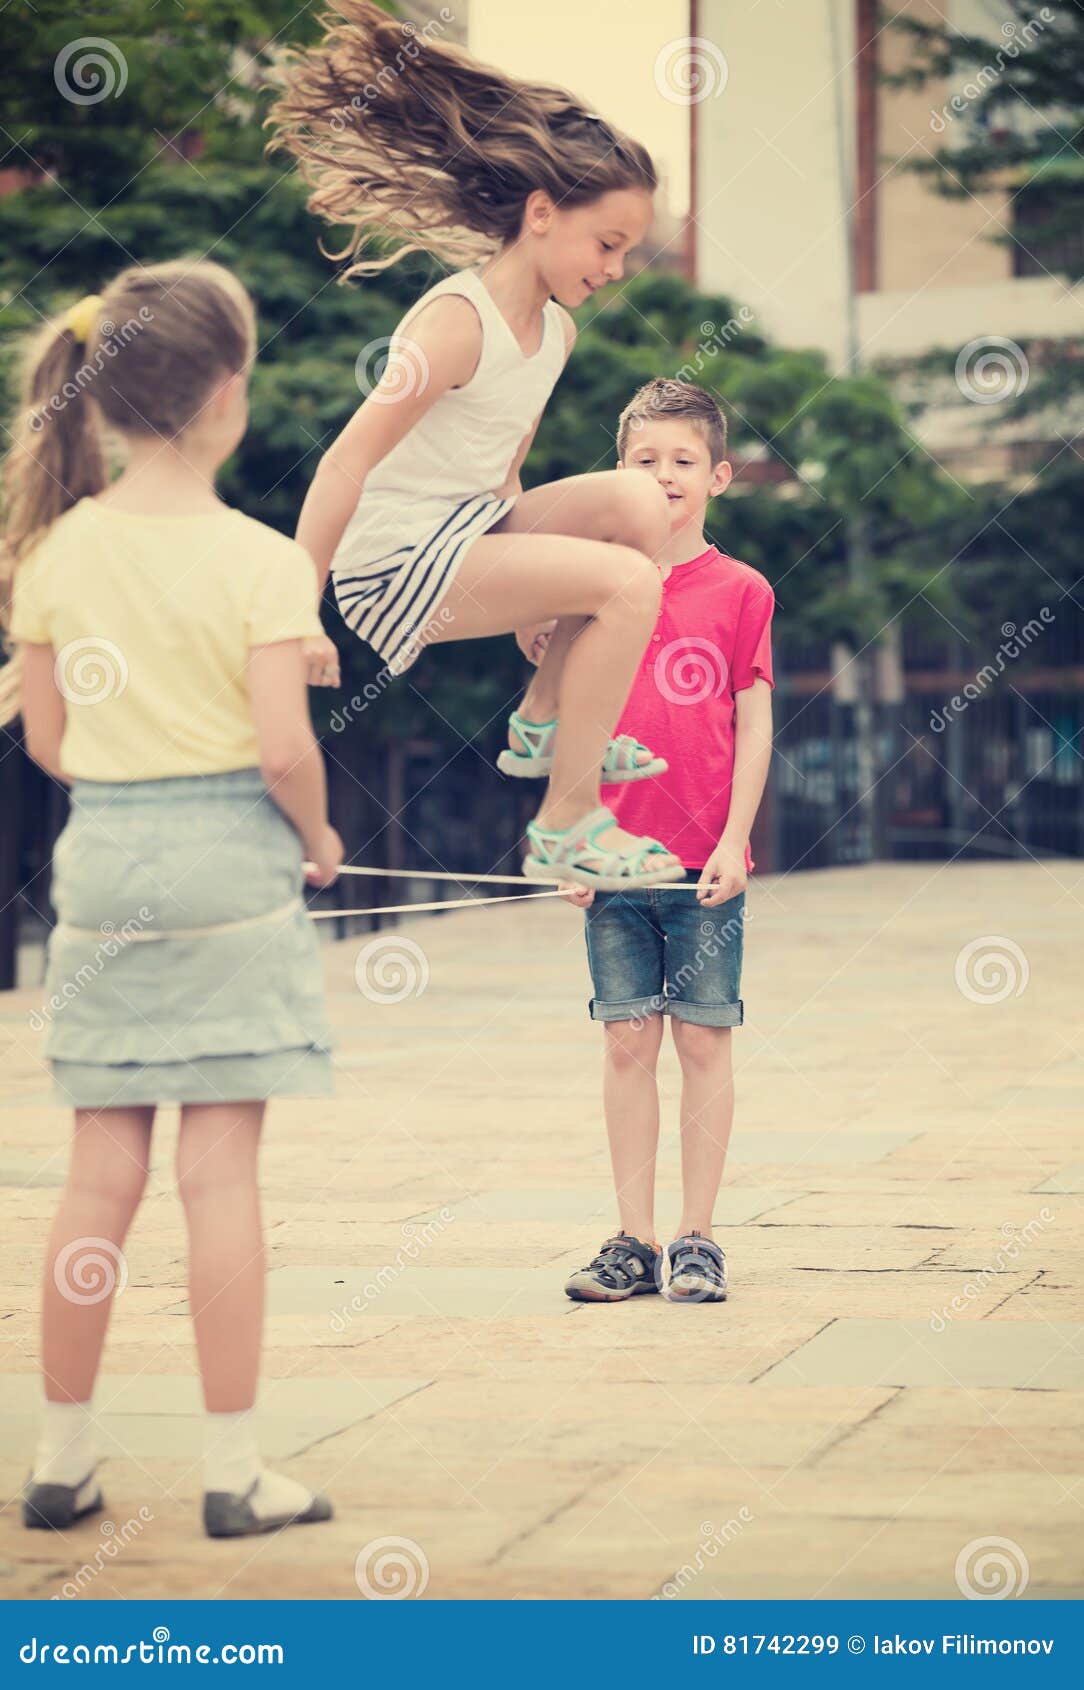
{"points": [[162, 639]]}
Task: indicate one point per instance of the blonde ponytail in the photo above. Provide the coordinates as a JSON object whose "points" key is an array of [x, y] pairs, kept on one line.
{"points": [[141, 358]]}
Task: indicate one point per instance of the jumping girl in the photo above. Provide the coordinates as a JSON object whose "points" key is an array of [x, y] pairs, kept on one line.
{"points": [[162, 646], [417, 508]]}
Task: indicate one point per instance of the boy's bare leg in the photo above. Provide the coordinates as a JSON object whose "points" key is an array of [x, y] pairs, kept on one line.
{"points": [[707, 1114], [631, 1100]]}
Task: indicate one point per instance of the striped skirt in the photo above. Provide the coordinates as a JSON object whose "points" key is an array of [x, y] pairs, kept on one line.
{"points": [[396, 561], [183, 967]]}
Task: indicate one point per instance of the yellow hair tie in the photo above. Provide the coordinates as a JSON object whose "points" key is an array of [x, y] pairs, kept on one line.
{"points": [[82, 319]]}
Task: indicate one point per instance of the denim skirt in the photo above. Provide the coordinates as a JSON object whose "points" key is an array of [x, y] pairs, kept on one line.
{"points": [[183, 967]]}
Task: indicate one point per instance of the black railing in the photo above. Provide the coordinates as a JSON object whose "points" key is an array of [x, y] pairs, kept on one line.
{"points": [[998, 774]]}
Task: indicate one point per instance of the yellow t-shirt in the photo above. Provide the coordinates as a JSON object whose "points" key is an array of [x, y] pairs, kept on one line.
{"points": [[151, 619]]}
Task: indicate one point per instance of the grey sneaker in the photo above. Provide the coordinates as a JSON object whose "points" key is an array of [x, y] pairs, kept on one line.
{"points": [[697, 1270], [623, 1268]]}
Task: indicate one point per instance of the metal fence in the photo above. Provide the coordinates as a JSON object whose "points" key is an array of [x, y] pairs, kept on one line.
{"points": [[1000, 773]]}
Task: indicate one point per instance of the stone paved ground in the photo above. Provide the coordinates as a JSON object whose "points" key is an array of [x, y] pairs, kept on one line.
{"points": [[897, 1376]]}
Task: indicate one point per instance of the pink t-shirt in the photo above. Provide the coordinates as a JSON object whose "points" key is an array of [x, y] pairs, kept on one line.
{"points": [[712, 639]]}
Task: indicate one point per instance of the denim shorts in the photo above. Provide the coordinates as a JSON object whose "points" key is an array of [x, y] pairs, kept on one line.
{"points": [[658, 951]]}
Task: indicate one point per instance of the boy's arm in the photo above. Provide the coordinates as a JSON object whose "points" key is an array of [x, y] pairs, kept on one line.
{"points": [[724, 874]]}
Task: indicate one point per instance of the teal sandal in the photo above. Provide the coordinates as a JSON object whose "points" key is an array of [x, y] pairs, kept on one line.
{"points": [[563, 854], [535, 762]]}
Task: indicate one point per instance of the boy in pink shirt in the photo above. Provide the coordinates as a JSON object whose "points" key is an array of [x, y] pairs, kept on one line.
{"points": [[702, 700]]}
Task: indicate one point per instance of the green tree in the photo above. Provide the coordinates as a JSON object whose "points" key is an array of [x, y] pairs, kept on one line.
{"points": [[1010, 108], [118, 196]]}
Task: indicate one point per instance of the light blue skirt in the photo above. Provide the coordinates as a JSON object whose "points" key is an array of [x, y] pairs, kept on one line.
{"points": [[183, 967]]}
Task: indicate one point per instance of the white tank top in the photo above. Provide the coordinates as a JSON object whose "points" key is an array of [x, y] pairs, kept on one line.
{"points": [[466, 442]]}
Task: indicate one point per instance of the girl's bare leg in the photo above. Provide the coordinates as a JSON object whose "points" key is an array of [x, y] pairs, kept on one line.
{"points": [[84, 1262], [217, 1154], [510, 579], [606, 505], [84, 1265]]}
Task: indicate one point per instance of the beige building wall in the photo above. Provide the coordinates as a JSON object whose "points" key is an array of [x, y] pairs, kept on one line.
{"points": [[924, 239], [608, 53], [770, 208], [770, 226]]}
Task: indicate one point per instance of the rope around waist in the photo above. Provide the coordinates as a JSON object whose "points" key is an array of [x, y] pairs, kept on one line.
{"points": [[66, 930]]}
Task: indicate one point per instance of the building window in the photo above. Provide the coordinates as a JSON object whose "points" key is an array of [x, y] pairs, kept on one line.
{"points": [[1048, 229]]}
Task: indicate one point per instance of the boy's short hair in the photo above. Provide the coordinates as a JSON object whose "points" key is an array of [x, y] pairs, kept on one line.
{"points": [[665, 396]]}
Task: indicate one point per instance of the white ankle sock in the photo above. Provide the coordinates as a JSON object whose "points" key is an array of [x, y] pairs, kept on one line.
{"points": [[231, 1462], [68, 1446], [278, 1495]]}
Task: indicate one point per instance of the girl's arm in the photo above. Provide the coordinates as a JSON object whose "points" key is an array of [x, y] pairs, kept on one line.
{"points": [[44, 710], [440, 352], [290, 759]]}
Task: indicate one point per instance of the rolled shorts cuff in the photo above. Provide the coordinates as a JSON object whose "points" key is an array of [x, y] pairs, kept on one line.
{"points": [[707, 1014], [632, 1009]]}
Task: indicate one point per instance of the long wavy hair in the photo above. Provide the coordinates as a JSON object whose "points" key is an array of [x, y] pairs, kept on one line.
{"points": [[165, 333], [403, 136]]}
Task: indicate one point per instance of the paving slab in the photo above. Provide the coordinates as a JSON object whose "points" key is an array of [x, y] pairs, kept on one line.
{"points": [[736, 1204], [460, 1293], [1042, 1357], [1070, 1179], [147, 1416]]}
